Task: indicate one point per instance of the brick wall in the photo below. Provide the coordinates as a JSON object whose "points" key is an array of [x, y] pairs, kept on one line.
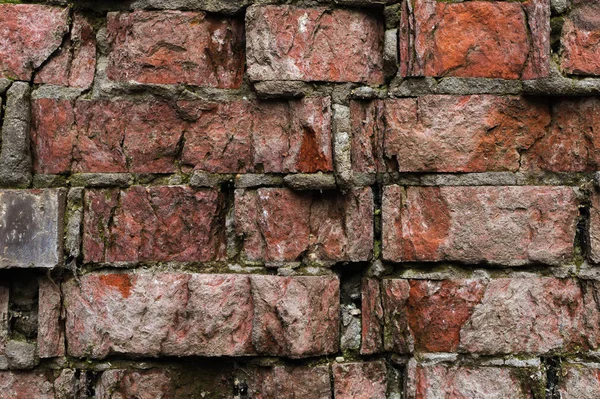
{"points": [[308, 199]]}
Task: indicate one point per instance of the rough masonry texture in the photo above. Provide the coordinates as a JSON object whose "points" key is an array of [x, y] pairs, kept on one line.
{"points": [[340, 199]]}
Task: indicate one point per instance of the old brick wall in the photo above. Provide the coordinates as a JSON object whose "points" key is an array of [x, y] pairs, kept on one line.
{"points": [[300, 199]]}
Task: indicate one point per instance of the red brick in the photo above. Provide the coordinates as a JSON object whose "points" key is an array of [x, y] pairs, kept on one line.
{"points": [[436, 311], [153, 383], [25, 385], [580, 40], [170, 47], [182, 314], [166, 223], [372, 317], [439, 133], [594, 228], [50, 335], [441, 381], [503, 316], [295, 316], [366, 380], [29, 34], [102, 136], [579, 382], [475, 39], [301, 381], [290, 43], [509, 226], [75, 63], [572, 143], [278, 224], [532, 315], [396, 336], [146, 314]]}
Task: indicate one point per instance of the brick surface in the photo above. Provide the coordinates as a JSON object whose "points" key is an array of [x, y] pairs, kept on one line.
{"points": [[75, 63], [181, 314], [50, 334], [303, 382], [470, 39], [571, 143], [441, 133], [503, 316], [290, 43], [295, 316], [31, 228], [169, 47], [29, 35], [153, 137], [161, 223], [282, 225], [508, 226], [441, 381], [153, 383], [579, 381], [580, 40], [365, 380], [372, 317], [594, 228], [25, 385]]}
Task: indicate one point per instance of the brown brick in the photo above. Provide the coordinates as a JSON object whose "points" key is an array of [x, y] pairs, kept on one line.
{"points": [[471, 39], [372, 317], [160, 223], [170, 47], [278, 224], [51, 340], [290, 43], [509, 226]]}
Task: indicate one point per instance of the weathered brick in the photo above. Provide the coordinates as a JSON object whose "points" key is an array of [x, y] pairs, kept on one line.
{"points": [[579, 382], [29, 35], [4, 321], [372, 317], [295, 316], [307, 44], [25, 385], [153, 137], [503, 316], [440, 133], [282, 225], [75, 63], [160, 223], [367, 380], [508, 226], [182, 314], [50, 334], [580, 40], [471, 39], [302, 381], [571, 143], [170, 47], [594, 228], [443, 381], [153, 383], [437, 310], [31, 227], [148, 314]]}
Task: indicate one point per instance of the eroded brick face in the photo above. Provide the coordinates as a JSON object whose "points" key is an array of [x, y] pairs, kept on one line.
{"points": [[581, 40], [170, 47], [153, 224], [154, 137], [509, 226], [471, 39], [309, 44]]}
